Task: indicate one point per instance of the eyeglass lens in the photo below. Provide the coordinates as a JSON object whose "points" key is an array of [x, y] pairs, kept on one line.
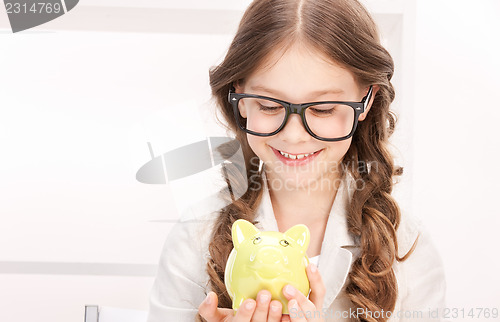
{"points": [[325, 120]]}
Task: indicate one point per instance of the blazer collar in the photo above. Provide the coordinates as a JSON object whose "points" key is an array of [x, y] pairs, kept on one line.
{"points": [[335, 261]]}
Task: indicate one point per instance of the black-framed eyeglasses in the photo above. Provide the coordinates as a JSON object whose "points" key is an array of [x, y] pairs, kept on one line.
{"points": [[324, 120]]}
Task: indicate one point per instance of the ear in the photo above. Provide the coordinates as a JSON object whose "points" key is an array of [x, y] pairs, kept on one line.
{"points": [[242, 230], [362, 116], [238, 86], [300, 234]]}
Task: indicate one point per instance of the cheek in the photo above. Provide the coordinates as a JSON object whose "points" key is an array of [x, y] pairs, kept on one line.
{"points": [[338, 150], [258, 145]]}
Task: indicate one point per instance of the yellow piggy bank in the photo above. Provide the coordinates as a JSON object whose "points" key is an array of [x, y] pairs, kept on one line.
{"points": [[266, 260]]}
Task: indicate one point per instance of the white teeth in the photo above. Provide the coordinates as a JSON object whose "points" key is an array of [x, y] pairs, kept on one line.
{"points": [[294, 157]]}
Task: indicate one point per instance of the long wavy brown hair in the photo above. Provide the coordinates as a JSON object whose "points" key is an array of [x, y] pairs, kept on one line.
{"points": [[345, 32]]}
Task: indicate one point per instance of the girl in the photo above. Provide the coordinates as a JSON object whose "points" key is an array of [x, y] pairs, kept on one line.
{"points": [[325, 165]]}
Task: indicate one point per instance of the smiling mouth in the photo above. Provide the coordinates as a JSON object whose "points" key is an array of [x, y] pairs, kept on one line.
{"points": [[296, 156]]}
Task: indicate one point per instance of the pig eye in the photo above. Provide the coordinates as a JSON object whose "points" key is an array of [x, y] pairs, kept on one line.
{"points": [[257, 240], [284, 243]]}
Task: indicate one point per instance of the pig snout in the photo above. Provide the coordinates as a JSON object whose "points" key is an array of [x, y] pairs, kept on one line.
{"points": [[269, 256], [269, 262]]}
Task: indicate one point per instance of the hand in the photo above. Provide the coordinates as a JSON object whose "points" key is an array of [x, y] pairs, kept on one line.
{"points": [[262, 310], [300, 307]]}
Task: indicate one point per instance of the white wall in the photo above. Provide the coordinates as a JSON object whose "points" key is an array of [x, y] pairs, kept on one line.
{"points": [[456, 143], [77, 109], [80, 100]]}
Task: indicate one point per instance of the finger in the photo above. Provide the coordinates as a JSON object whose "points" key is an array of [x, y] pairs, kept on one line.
{"points": [[275, 309], [245, 311], [296, 313], [318, 289], [262, 309], [303, 303], [209, 311]]}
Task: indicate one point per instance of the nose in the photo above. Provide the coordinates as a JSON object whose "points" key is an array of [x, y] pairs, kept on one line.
{"points": [[269, 256], [294, 130]]}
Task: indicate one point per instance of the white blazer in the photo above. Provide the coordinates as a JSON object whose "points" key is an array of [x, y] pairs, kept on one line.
{"points": [[181, 283]]}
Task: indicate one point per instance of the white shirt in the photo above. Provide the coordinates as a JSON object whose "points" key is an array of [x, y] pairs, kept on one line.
{"points": [[314, 260], [181, 283]]}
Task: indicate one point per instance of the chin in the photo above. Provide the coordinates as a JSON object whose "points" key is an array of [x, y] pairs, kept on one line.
{"points": [[293, 179]]}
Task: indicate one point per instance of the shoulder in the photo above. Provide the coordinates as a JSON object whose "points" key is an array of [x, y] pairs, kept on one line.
{"points": [[186, 246], [181, 281], [194, 229], [421, 276], [412, 230], [409, 229]]}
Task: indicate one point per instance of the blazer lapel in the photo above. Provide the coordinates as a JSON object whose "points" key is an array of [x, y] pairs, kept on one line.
{"points": [[335, 261], [265, 213]]}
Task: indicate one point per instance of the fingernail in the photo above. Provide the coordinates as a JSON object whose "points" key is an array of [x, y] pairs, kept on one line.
{"points": [[275, 308], [290, 290], [313, 268], [249, 305], [264, 298], [208, 299]]}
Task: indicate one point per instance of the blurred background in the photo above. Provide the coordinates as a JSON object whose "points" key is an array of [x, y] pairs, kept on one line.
{"points": [[81, 97]]}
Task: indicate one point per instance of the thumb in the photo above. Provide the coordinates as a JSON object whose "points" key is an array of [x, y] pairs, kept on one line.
{"points": [[208, 309]]}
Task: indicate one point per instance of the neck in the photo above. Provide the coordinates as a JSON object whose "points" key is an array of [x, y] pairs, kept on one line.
{"points": [[307, 204]]}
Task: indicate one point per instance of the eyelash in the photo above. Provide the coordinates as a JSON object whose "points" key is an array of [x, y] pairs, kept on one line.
{"points": [[328, 111], [268, 108], [274, 108]]}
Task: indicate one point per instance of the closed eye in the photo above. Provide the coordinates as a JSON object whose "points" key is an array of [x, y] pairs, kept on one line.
{"points": [[322, 111], [269, 108]]}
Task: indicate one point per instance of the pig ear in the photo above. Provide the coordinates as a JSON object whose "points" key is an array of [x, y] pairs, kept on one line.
{"points": [[242, 230], [300, 234]]}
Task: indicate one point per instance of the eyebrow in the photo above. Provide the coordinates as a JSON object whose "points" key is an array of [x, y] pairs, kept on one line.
{"points": [[278, 93]]}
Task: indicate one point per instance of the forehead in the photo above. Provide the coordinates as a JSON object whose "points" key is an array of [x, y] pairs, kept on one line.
{"points": [[301, 73]]}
